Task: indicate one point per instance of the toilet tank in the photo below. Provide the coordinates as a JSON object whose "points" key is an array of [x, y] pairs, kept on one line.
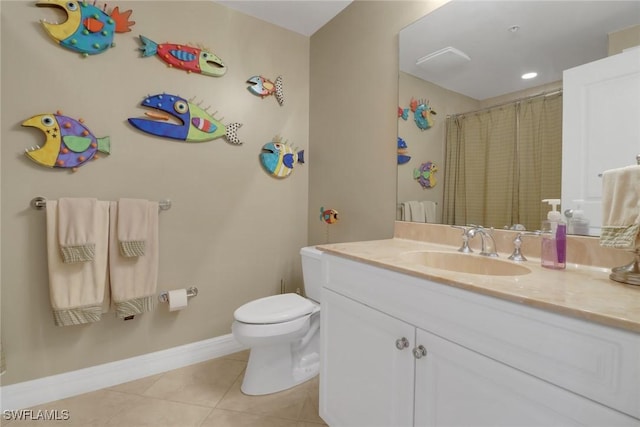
{"points": [[312, 272]]}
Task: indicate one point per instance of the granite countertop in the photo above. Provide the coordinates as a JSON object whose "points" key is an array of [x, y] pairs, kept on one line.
{"points": [[584, 292]]}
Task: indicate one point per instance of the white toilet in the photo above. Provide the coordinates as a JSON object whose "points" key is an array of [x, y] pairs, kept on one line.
{"points": [[283, 332]]}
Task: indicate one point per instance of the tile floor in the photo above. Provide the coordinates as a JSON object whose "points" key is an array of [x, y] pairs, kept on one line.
{"points": [[206, 394]]}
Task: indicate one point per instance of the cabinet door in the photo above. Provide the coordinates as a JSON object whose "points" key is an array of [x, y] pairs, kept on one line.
{"points": [[600, 128], [459, 387], [365, 380]]}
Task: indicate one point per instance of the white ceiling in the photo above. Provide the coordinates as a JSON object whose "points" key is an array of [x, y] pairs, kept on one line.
{"points": [[302, 16], [553, 36]]}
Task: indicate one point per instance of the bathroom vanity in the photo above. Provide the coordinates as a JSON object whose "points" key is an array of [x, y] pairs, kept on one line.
{"points": [[404, 343]]}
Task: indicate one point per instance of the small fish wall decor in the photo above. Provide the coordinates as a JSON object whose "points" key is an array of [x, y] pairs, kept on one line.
{"points": [[422, 113], [87, 30], [262, 87], [425, 174], [330, 216], [189, 58], [402, 152], [278, 158], [403, 113], [195, 124], [68, 142]]}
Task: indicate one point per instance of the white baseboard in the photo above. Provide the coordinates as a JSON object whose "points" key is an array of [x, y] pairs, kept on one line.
{"points": [[56, 387]]}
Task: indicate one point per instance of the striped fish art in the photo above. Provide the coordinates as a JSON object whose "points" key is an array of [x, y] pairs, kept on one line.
{"points": [[278, 158], [171, 116], [189, 58]]}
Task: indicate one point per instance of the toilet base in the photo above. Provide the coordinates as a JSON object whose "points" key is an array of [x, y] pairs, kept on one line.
{"points": [[278, 367]]}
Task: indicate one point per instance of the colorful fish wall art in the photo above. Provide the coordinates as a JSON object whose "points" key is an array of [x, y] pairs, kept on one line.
{"points": [[403, 113], [330, 216], [194, 124], [422, 113], [87, 30], [263, 87], [425, 174], [68, 142], [189, 58], [278, 158], [402, 152]]}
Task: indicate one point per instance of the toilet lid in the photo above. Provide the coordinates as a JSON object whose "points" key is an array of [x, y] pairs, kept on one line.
{"points": [[274, 309]]}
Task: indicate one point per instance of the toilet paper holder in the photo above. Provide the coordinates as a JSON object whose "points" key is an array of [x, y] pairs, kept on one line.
{"points": [[191, 292]]}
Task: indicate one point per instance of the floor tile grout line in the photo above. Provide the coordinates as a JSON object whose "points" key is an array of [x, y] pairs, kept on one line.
{"points": [[230, 387]]}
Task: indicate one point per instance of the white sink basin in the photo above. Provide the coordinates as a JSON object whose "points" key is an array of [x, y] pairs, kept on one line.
{"points": [[466, 263]]}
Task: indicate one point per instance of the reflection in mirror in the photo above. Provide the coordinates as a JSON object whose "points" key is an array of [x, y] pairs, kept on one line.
{"points": [[466, 57]]}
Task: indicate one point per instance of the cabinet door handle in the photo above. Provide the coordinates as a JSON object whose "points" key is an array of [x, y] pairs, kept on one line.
{"points": [[419, 352], [402, 343]]}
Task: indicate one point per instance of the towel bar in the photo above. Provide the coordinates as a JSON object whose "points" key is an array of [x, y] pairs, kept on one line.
{"points": [[40, 203], [191, 292]]}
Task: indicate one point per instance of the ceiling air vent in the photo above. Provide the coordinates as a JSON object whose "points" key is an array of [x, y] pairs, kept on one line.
{"points": [[443, 59]]}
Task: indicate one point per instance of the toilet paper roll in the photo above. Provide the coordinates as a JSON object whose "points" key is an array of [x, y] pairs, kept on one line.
{"points": [[177, 299]]}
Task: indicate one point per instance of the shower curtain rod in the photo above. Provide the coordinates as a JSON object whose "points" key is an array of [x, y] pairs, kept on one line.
{"points": [[515, 101]]}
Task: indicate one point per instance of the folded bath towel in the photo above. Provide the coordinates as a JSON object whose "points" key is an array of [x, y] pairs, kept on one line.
{"points": [[76, 229], [77, 290], [132, 227], [429, 211], [417, 211], [621, 208], [134, 279]]}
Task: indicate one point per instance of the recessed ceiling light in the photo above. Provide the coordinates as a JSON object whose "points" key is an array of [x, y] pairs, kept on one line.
{"points": [[528, 76], [513, 28]]}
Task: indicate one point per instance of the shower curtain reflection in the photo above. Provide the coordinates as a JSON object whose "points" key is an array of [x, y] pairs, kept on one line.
{"points": [[502, 161]]}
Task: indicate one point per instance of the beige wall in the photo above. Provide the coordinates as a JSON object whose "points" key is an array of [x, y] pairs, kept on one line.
{"points": [[233, 231], [624, 39], [353, 123]]}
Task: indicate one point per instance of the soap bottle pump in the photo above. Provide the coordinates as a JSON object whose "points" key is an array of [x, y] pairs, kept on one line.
{"points": [[554, 238]]}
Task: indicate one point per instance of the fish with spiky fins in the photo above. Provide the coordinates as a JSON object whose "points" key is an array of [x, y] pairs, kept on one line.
{"points": [[422, 113], [195, 124], [69, 143], [188, 58], [87, 30], [278, 158], [262, 87]]}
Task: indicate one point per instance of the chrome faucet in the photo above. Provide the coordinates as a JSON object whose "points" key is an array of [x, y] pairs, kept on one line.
{"points": [[488, 244]]}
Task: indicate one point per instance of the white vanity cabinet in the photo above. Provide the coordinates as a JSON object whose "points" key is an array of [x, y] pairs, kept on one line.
{"points": [[485, 361]]}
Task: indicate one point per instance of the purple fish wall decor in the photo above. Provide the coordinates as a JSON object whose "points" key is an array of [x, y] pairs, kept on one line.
{"points": [[68, 144]]}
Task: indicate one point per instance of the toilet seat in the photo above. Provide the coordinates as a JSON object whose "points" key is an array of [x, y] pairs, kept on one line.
{"points": [[275, 309]]}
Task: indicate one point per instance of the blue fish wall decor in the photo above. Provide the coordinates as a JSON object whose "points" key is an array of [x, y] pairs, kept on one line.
{"points": [[87, 30]]}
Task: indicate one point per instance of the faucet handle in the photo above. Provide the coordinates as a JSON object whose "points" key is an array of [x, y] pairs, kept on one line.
{"points": [[465, 239], [517, 243]]}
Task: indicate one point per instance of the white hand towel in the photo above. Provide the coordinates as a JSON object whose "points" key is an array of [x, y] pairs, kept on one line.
{"points": [[417, 211], [134, 279], [621, 208], [77, 290], [76, 229], [405, 212], [132, 227], [429, 211]]}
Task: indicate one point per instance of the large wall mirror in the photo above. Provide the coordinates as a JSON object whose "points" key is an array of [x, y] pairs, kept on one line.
{"points": [[465, 61]]}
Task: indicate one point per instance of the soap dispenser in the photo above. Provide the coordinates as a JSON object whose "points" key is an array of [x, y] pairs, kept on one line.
{"points": [[554, 238], [578, 222]]}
